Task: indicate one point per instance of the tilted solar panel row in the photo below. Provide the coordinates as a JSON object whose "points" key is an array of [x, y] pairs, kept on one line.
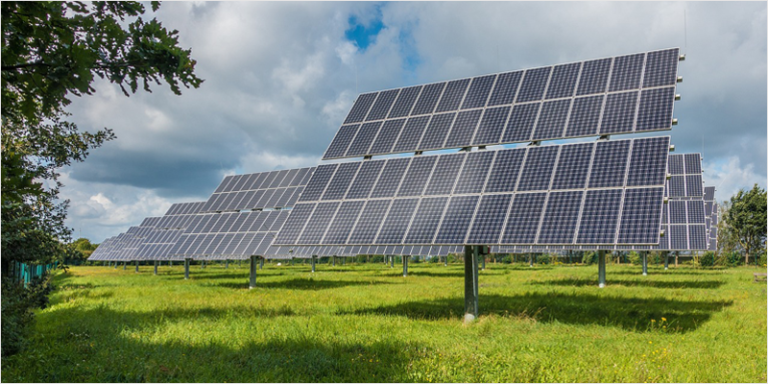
{"points": [[625, 94], [563, 194], [686, 180], [277, 189]]}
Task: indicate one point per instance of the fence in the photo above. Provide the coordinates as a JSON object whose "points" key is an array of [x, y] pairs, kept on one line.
{"points": [[22, 272]]}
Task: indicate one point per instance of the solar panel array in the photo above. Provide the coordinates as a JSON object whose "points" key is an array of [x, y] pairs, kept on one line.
{"points": [[624, 94], [235, 235], [684, 218], [605, 192], [274, 189], [686, 181]]}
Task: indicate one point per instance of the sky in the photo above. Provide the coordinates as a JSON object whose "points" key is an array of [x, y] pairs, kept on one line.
{"points": [[280, 78]]}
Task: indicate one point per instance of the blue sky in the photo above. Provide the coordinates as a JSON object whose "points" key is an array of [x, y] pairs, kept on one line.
{"points": [[280, 78]]}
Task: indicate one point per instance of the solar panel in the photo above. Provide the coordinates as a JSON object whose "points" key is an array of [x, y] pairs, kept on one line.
{"points": [[257, 190], [624, 94], [686, 180], [575, 194]]}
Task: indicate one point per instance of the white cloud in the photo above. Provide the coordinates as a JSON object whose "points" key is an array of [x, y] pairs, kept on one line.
{"points": [[729, 176]]}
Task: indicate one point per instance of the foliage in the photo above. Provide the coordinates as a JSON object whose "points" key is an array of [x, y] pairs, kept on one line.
{"points": [[16, 301], [368, 323], [634, 258], [747, 218], [589, 258], [544, 258], [707, 259], [84, 248], [51, 51]]}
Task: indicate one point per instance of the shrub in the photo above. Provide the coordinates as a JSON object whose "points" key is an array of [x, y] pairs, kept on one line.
{"points": [[17, 305], [544, 258], [761, 259], [635, 258], [708, 259], [589, 258]]}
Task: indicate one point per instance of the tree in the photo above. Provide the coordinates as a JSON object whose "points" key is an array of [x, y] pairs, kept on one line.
{"points": [[747, 219], [51, 51]]}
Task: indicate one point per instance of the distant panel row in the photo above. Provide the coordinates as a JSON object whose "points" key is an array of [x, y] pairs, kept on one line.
{"points": [[626, 94], [686, 180]]}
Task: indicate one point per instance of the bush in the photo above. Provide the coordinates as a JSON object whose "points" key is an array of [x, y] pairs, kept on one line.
{"points": [[761, 259], [589, 258], [17, 305], [635, 258], [544, 258], [708, 259]]}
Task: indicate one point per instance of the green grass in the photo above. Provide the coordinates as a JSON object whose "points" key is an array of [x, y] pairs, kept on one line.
{"points": [[367, 323]]}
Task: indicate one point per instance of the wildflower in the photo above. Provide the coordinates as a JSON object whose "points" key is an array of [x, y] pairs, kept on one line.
{"points": [[653, 320], [663, 319]]}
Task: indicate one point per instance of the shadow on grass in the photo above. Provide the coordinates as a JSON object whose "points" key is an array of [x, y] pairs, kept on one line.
{"points": [[650, 283], [670, 271], [118, 356], [633, 314], [301, 284]]}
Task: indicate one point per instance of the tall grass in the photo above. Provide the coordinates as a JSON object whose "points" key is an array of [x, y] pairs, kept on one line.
{"points": [[368, 323]]}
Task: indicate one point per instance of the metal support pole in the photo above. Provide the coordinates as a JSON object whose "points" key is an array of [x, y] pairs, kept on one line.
{"points": [[645, 263], [238, 263], [530, 259], [313, 263], [471, 309], [446, 260], [666, 261], [186, 268], [405, 265], [252, 282], [115, 264], [334, 260], [482, 257], [261, 263], [226, 264], [202, 264], [391, 261], [155, 267], [124, 265], [601, 268], [137, 266]]}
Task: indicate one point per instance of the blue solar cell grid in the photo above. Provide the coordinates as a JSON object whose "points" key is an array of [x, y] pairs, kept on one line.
{"points": [[624, 94]]}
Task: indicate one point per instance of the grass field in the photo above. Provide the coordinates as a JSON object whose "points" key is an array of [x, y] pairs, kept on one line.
{"points": [[366, 323]]}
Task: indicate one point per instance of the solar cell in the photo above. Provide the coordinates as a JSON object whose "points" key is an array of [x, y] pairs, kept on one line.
{"points": [[677, 214], [341, 141], [411, 134], [444, 175], [474, 172], [600, 217], [692, 163], [397, 220], [390, 177], [534, 83], [405, 101], [318, 223], [505, 90], [453, 95], [524, 217], [661, 68], [360, 108], [478, 92], [428, 98], [456, 220], [572, 166], [697, 237], [491, 126], [537, 171], [640, 216], [368, 223], [387, 136], [521, 121], [506, 167], [626, 72], [489, 219], [594, 77], [417, 176], [563, 82], [551, 122], [463, 128], [426, 220], [436, 131], [382, 105], [339, 229], [365, 179], [678, 237], [362, 142], [693, 186], [647, 165], [610, 164], [619, 113], [558, 225], [337, 187], [318, 182], [290, 232], [655, 109]]}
